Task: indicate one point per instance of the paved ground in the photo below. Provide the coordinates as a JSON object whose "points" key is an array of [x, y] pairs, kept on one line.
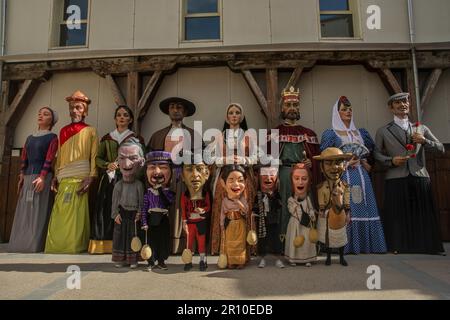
{"points": [[39, 276]]}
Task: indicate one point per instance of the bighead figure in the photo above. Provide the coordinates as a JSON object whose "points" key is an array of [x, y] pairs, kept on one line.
{"points": [[195, 207], [157, 201], [334, 202], [127, 200], [300, 244]]}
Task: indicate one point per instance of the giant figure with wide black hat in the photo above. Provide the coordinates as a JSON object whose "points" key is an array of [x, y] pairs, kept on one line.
{"points": [[166, 140]]}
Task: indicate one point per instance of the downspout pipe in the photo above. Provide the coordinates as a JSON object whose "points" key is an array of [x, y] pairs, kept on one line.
{"points": [[2, 40], [412, 38]]}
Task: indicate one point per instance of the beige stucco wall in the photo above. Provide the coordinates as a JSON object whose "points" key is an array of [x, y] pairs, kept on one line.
{"points": [[112, 24], [28, 26], [394, 21], [294, 21], [246, 22], [156, 24], [432, 22]]}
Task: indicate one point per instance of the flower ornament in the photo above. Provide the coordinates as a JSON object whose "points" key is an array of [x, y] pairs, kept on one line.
{"points": [[411, 150]]}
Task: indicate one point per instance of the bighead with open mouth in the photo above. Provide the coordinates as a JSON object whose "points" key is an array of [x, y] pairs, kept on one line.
{"points": [[300, 182], [235, 184], [268, 178], [158, 174]]}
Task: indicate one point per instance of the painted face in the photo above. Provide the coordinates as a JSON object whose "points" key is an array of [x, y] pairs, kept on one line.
{"points": [[123, 118], [195, 177], [78, 110], [176, 112], [45, 118], [235, 185], [300, 183], [400, 108], [234, 115], [291, 110], [129, 161], [333, 169], [158, 174], [345, 112], [268, 179]]}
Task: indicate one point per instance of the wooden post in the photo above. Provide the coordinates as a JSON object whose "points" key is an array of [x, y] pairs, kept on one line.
{"points": [[389, 80], [117, 93], [257, 92], [272, 94], [133, 96], [430, 85]]}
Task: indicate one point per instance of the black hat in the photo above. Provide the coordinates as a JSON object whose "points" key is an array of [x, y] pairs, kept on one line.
{"points": [[189, 106]]}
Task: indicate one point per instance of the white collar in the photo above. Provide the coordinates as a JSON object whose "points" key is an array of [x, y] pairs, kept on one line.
{"points": [[119, 137], [402, 123]]}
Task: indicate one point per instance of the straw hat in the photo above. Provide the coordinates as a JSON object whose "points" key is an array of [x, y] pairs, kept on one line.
{"points": [[333, 154]]}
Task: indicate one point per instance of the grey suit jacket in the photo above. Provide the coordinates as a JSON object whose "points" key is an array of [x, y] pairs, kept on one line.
{"points": [[391, 141]]}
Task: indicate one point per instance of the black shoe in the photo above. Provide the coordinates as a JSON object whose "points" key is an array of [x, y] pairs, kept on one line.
{"points": [[343, 262], [203, 266], [187, 266], [162, 265], [151, 263], [328, 262]]}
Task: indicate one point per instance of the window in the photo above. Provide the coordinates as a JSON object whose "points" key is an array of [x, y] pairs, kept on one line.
{"points": [[338, 18], [201, 20], [70, 23]]}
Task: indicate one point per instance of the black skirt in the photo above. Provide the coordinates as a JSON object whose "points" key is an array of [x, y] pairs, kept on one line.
{"points": [[123, 234], [410, 218], [102, 223]]}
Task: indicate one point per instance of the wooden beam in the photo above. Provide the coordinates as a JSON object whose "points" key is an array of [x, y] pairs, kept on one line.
{"points": [[257, 92], [272, 94], [412, 95], [295, 77], [28, 87], [430, 85], [133, 96], [4, 95], [116, 92], [12, 115], [389, 80], [236, 61], [149, 93]]}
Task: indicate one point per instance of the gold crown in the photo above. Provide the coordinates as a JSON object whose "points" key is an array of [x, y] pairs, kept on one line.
{"points": [[291, 95]]}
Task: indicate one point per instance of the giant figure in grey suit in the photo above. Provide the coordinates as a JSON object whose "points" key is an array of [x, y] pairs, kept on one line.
{"points": [[410, 217]]}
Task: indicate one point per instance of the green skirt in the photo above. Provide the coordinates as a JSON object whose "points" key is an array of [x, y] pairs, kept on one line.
{"points": [[69, 227]]}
